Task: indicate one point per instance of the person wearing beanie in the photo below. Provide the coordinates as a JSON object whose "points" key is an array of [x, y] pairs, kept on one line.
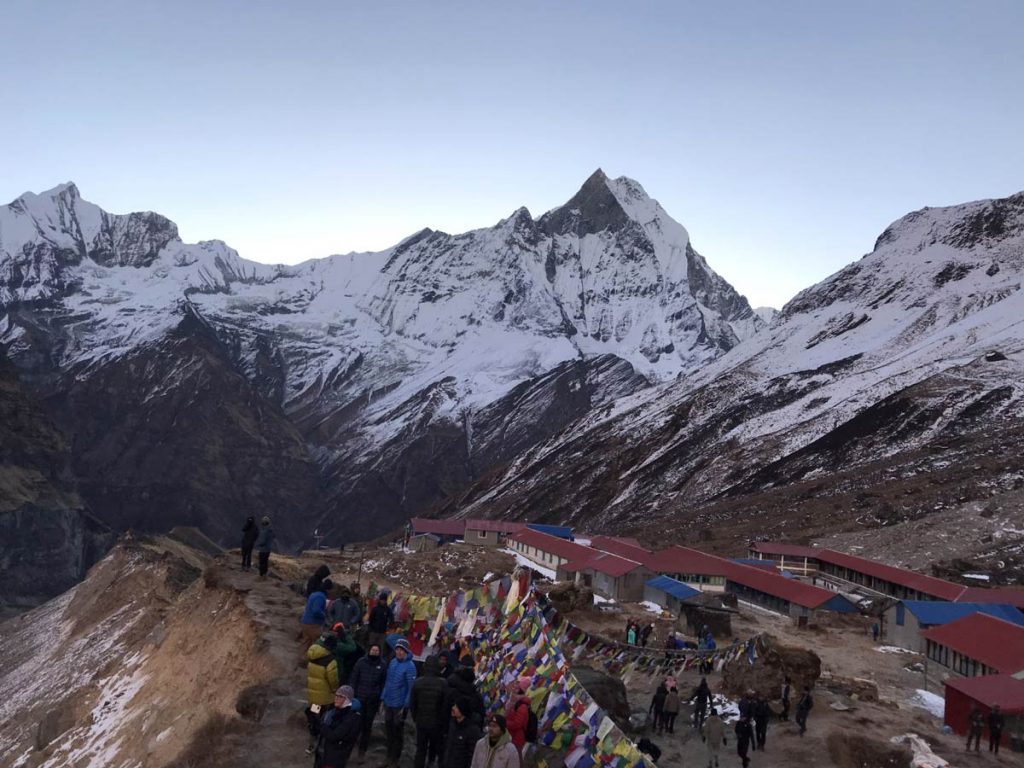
{"points": [[313, 616], [396, 698], [518, 713], [463, 735], [495, 749], [321, 682], [316, 581], [265, 545], [339, 730]]}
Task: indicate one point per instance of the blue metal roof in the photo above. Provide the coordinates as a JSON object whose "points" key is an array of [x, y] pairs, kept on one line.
{"points": [[937, 612], [671, 586], [560, 531]]}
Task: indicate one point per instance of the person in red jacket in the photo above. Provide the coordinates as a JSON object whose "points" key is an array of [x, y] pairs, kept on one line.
{"points": [[517, 717]]}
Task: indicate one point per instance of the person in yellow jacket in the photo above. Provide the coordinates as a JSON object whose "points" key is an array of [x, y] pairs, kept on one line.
{"points": [[321, 682]]}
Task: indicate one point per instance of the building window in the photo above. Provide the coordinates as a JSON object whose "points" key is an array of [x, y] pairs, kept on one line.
{"points": [[900, 610], [481, 534]]}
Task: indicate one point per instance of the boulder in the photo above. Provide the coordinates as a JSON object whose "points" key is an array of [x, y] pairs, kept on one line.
{"points": [[766, 675], [568, 596], [608, 692]]}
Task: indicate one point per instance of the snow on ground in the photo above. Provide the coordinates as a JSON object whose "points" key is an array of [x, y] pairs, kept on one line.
{"points": [[652, 606], [583, 540], [979, 576], [598, 600], [728, 710], [488, 576], [932, 702], [893, 649], [528, 563]]}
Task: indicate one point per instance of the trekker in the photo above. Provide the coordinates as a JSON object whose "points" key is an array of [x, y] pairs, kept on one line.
{"points": [[645, 634], [428, 713], [495, 749], [803, 709], [444, 666], [462, 683], [713, 735], [762, 714], [631, 634], [996, 721], [975, 725], [381, 617], [786, 691], [396, 698], [701, 697], [345, 609], [671, 709], [265, 545], [995, 724], [315, 582], [463, 734], [347, 652], [249, 533], [658, 706], [321, 682], [744, 735], [368, 683], [746, 704], [339, 731], [311, 623], [517, 716], [875, 629]]}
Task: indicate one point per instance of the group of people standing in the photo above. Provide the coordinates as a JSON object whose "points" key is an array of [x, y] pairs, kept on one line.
{"points": [[637, 635], [261, 538], [347, 686], [976, 723]]}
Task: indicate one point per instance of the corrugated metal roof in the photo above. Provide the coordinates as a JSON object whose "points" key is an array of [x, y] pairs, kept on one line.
{"points": [[782, 548], [440, 527], [678, 559], [672, 587], [1002, 595], [560, 531], [794, 591], [602, 562], [994, 642], [556, 546], [1004, 690], [936, 612], [621, 547], [753, 562], [928, 585]]}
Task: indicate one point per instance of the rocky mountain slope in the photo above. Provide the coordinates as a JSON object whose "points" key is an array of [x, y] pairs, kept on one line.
{"points": [[888, 391], [196, 387], [47, 536]]}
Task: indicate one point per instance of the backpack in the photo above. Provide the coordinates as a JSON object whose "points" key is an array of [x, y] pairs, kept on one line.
{"points": [[531, 724]]}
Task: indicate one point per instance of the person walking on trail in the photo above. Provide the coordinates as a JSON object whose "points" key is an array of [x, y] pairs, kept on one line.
{"points": [[381, 617], [463, 735], [311, 623], [249, 533], [875, 629], [339, 730], [428, 712], [787, 686], [671, 709], [517, 716], [996, 721], [762, 714], [803, 709], [700, 698], [396, 698], [368, 683], [265, 545], [713, 736], [321, 683], [744, 736], [657, 708], [975, 726], [495, 749], [315, 582]]}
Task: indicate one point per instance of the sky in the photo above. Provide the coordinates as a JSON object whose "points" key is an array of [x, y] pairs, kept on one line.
{"points": [[785, 136]]}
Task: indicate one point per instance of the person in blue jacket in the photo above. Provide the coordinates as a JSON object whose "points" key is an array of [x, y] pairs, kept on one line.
{"points": [[396, 698], [312, 620]]}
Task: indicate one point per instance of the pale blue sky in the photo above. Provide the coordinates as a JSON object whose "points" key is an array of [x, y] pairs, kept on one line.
{"points": [[784, 135]]}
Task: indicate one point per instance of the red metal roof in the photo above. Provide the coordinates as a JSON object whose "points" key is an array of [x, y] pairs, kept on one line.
{"points": [[501, 526], [628, 548], [991, 641], [603, 562], [781, 548], [439, 527], [678, 559], [556, 546], [928, 585], [996, 596], [1004, 690], [806, 595]]}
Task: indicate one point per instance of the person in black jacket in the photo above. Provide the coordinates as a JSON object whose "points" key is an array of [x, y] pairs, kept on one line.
{"points": [[463, 734], [762, 714], [462, 683], [700, 698], [996, 721], [787, 686], [657, 708], [803, 709], [380, 620], [249, 533], [744, 735], [428, 713], [316, 581], [339, 731], [445, 669], [368, 683]]}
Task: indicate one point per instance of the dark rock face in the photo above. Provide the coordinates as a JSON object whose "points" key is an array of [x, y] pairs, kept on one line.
{"points": [[608, 692], [48, 539]]}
